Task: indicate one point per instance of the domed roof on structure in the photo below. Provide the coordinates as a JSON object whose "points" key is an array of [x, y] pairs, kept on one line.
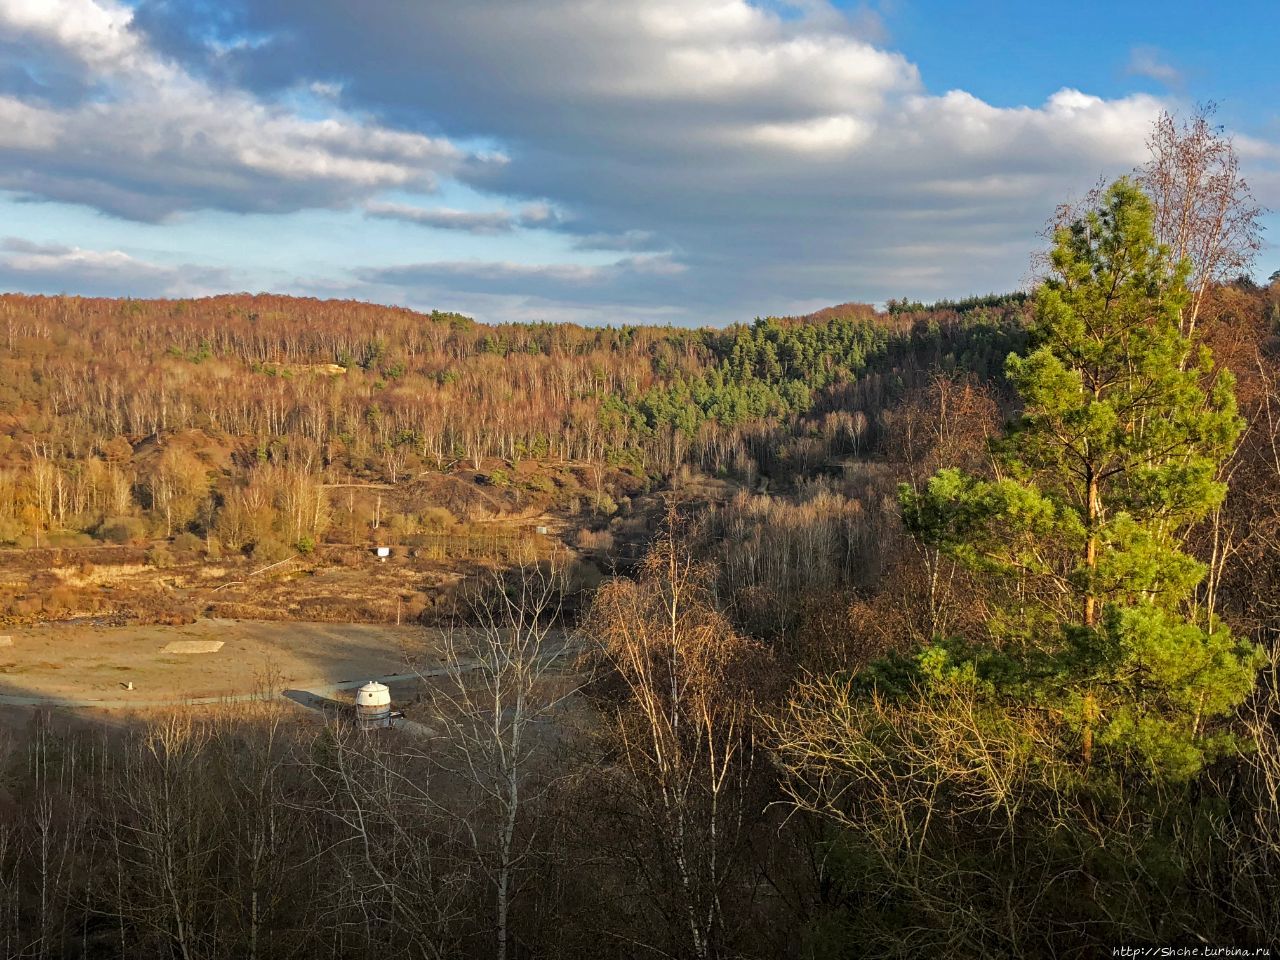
{"points": [[373, 694]]}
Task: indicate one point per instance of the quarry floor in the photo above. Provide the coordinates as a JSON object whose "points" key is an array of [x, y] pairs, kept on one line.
{"points": [[87, 665]]}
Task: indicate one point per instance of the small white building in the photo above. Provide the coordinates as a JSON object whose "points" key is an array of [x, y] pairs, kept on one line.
{"points": [[373, 706]]}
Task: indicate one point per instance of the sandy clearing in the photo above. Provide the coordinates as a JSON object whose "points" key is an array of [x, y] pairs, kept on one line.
{"points": [[81, 662]]}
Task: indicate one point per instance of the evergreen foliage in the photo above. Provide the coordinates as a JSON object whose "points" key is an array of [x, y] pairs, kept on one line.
{"points": [[768, 369], [1115, 455]]}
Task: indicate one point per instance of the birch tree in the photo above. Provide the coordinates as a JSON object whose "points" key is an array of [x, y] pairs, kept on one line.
{"points": [[683, 729], [1204, 211], [496, 713]]}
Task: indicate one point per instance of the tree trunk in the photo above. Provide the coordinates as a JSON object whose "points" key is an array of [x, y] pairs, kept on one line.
{"points": [[1090, 606], [1091, 551]]}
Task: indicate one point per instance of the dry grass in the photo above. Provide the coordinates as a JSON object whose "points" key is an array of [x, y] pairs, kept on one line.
{"points": [[98, 576]]}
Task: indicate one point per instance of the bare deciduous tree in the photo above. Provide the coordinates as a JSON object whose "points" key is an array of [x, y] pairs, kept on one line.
{"points": [[160, 799], [684, 734], [1205, 212], [494, 707], [947, 424], [399, 885]]}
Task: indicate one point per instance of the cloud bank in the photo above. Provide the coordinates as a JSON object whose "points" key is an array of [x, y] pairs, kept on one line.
{"points": [[131, 132], [26, 266], [734, 158]]}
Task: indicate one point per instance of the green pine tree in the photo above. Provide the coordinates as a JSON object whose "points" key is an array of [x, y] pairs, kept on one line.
{"points": [[1115, 456]]}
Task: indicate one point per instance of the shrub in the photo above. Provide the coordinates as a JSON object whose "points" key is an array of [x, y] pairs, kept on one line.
{"points": [[270, 551], [436, 518], [122, 529], [582, 575], [594, 540], [306, 545], [540, 483], [61, 602], [187, 543], [159, 556], [68, 538], [403, 525]]}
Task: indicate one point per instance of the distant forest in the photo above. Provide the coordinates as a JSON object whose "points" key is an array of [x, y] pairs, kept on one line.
{"points": [[355, 390]]}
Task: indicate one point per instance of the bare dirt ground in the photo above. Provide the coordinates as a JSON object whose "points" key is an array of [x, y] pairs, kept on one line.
{"points": [[443, 530], [85, 662], [336, 584]]}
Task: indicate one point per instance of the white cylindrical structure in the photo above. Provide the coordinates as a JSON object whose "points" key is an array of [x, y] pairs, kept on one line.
{"points": [[373, 705]]}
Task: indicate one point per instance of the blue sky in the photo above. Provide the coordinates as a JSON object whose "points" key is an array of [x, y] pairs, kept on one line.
{"points": [[1011, 53], [686, 161]]}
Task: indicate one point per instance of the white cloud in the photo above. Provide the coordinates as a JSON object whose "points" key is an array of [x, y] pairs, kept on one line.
{"points": [[825, 134], [96, 33], [565, 281], [26, 128], [1262, 161], [1151, 63], [470, 221], [625, 240], [53, 268], [154, 138], [780, 155]]}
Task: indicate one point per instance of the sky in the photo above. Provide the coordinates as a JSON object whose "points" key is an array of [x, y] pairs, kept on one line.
{"points": [[594, 161]]}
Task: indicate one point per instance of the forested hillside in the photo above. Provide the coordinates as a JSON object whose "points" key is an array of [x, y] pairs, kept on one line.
{"points": [[106, 407]]}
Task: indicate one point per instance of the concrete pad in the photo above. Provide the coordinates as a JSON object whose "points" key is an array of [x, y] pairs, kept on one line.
{"points": [[193, 646]]}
